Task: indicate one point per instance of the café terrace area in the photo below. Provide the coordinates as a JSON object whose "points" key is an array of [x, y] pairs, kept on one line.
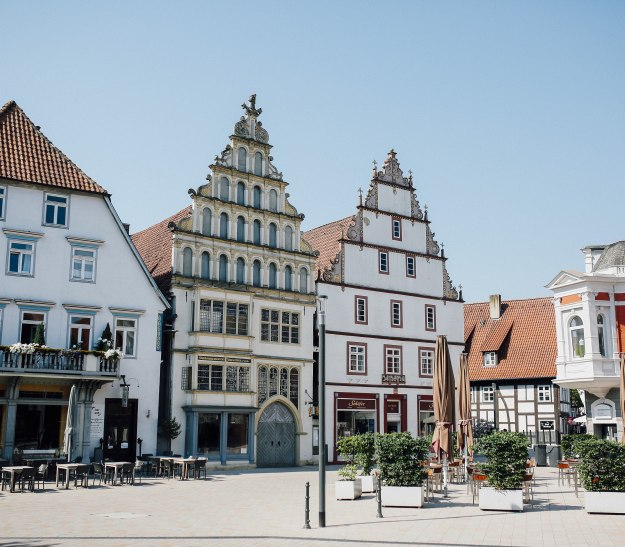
{"points": [[266, 507]]}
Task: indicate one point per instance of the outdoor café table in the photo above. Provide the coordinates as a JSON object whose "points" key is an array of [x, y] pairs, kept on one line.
{"points": [[15, 470], [184, 464], [116, 466], [67, 467]]}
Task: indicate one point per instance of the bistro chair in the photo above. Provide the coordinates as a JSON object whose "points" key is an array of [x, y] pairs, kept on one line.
{"points": [[41, 474], [27, 479], [479, 479], [528, 488], [564, 472], [199, 467], [138, 470], [167, 468], [147, 459], [127, 473], [6, 479], [153, 465], [98, 471], [81, 474]]}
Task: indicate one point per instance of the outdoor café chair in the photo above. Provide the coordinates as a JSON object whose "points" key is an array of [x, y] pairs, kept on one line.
{"points": [[479, 479], [27, 479], [564, 472], [167, 468], [138, 469], [528, 487], [199, 467], [41, 474], [127, 473], [98, 471], [81, 474], [5, 478]]}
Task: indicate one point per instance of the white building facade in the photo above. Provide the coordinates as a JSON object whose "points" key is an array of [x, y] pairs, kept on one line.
{"points": [[68, 270], [590, 321], [244, 303], [388, 296]]}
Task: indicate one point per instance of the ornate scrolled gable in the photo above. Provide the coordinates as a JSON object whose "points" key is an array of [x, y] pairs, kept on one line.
{"points": [[431, 245], [415, 208], [449, 291], [335, 272], [355, 228]]}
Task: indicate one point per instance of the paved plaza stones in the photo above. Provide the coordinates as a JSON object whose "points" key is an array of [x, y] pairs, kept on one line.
{"points": [[267, 508]]}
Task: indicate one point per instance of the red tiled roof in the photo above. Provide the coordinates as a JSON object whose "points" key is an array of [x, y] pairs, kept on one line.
{"points": [[325, 239], [155, 247], [524, 338], [27, 155]]}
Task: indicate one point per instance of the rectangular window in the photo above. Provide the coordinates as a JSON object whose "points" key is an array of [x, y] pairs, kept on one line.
{"points": [[430, 317], [223, 378], [544, 394], [80, 327], [392, 358], [276, 326], [185, 380], [83, 264], [383, 261], [126, 336], [236, 318], [28, 325], [426, 362], [396, 314], [55, 210], [490, 358], [357, 358], [211, 316], [21, 257], [488, 394], [397, 229], [410, 266], [361, 314], [3, 200]]}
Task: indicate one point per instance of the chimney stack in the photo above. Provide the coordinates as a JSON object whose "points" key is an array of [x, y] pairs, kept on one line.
{"points": [[495, 306]]}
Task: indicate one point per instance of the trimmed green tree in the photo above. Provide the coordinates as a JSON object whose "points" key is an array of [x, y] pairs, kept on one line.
{"points": [[602, 465], [400, 457], [572, 444], [507, 454]]}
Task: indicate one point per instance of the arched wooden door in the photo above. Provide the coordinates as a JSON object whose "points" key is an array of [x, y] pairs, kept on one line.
{"points": [[276, 437]]}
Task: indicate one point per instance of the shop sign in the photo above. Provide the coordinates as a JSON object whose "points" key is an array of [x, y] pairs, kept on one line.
{"points": [[210, 358], [355, 404], [393, 378], [125, 393], [392, 407], [546, 425], [238, 360]]}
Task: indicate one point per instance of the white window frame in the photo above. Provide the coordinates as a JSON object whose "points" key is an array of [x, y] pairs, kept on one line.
{"points": [[544, 394], [357, 355], [125, 330], [411, 266], [392, 360], [490, 359], [396, 314], [291, 329], [80, 328], [426, 356], [383, 258], [361, 312], [56, 205], [43, 312], [84, 261], [488, 394], [396, 230], [21, 252], [430, 322], [3, 202]]}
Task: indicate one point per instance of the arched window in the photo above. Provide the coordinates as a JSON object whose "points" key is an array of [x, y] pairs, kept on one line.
{"points": [[223, 268], [288, 238], [241, 193], [273, 200], [240, 271], [256, 273], [256, 197], [273, 276], [258, 164], [187, 262], [205, 268], [223, 225], [576, 328], [273, 235], [207, 221], [288, 278], [240, 229], [224, 189], [601, 333], [242, 159], [303, 280], [256, 234]]}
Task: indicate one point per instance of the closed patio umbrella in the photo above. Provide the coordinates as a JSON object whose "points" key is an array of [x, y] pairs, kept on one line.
{"points": [[622, 393], [465, 425], [444, 402], [69, 423]]}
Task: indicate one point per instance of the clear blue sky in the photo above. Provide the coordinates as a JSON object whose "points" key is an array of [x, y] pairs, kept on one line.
{"points": [[510, 114]]}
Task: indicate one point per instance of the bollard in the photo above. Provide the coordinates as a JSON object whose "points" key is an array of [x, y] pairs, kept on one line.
{"points": [[307, 508], [378, 495]]}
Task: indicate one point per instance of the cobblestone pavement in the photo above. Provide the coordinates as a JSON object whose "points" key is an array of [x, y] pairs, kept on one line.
{"points": [[267, 508]]}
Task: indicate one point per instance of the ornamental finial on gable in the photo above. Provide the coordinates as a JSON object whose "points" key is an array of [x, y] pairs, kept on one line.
{"points": [[251, 110], [391, 171], [248, 126]]}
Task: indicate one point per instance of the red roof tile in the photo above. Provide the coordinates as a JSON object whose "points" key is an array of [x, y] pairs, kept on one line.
{"points": [[525, 338], [325, 239], [27, 155], [155, 247]]}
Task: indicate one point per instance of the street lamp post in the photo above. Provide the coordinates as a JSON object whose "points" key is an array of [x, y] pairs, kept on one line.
{"points": [[321, 319]]}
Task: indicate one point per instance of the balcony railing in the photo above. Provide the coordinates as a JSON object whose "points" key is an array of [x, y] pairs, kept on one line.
{"points": [[57, 361]]}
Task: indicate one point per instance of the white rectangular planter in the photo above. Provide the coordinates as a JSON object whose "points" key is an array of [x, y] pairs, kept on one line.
{"points": [[402, 496], [605, 502], [501, 500], [369, 483], [348, 490]]}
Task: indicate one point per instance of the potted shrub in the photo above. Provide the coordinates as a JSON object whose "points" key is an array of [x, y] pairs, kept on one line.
{"points": [[365, 457], [348, 486], [572, 444], [602, 473], [507, 454], [400, 458]]}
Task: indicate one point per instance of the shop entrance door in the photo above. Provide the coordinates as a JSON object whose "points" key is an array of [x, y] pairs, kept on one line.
{"points": [[120, 430], [276, 437]]}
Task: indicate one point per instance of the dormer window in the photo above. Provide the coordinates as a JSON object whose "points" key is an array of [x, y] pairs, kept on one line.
{"points": [[490, 359]]}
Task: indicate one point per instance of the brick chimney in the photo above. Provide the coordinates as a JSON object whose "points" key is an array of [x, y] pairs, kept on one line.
{"points": [[495, 306]]}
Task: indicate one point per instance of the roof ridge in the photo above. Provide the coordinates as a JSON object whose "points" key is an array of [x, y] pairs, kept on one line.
{"points": [[537, 298], [188, 208], [328, 223], [7, 106]]}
